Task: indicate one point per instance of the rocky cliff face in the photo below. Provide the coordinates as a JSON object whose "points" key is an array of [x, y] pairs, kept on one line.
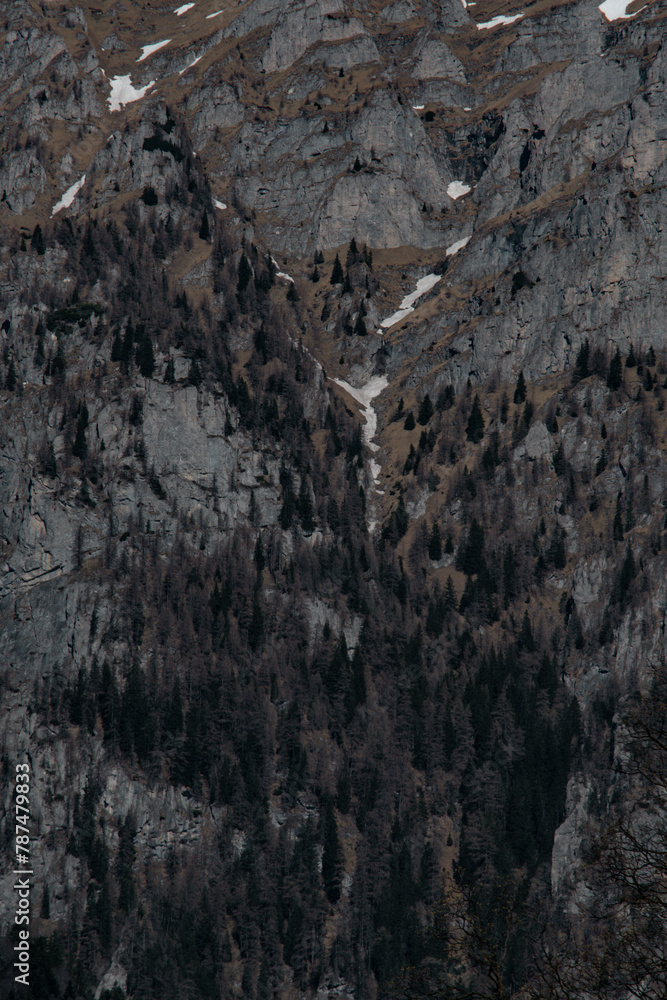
{"points": [[170, 338]]}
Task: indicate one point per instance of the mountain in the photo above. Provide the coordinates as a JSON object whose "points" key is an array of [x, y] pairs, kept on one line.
{"points": [[331, 487]]}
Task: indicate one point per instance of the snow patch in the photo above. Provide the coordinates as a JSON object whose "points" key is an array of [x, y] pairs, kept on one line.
{"points": [[148, 50], [501, 19], [407, 305], [189, 66], [417, 107], [365, 397], [457, 189], [217, 14], [184, 9], [281, 274], [69, 196], [122, 92], [455, 247], [219, 204], [616, 10]]}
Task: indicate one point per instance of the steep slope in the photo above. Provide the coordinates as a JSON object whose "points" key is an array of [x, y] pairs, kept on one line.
{"points": [[297, 605]]}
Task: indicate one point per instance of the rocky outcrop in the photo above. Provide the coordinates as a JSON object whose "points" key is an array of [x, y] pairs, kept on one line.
{"points": [[22, 178], [300, 26], [25, 54], [212, 107], [435, 59]]}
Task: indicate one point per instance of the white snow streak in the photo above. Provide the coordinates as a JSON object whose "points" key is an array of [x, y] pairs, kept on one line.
{"points": [[615, 10], [122, 92], [501, 19], [189, 66], [455, 247], [281, 274], [217, 14], [184, 9], [457, 189], [219, 204], [407, 305], [417, 107], [69, 196], [148, 50], [365, 397]]}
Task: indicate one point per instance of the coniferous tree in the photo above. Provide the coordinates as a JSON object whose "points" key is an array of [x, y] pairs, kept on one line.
{"points": [[127, 348], [38, 244], [80, 446], [337, 276], [520, 390], [357, 689], [125, 863], [244, 275], [116, 346], [11, 377], [173, 722], [425, 410], [475, 425], [615, 374], [582, 364], [435, 543], [470, 559], [617, 527], [145, 356], [332, 855]]}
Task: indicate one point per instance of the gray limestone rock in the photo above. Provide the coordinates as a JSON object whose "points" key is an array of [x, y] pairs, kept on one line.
{"points": [[538, 443], [435, 59], [398, 12], [22, 178], [112, 43], [212, 107], [301, 25]]}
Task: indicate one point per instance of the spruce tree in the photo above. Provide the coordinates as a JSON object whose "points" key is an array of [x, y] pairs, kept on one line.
{"points": [[475, 425], [582, 364], [117, 346], [145, 356], [425, 410], [38, 244], [360, 327], [520, 390], [332, 855], [244, 274], [11, 377], [615, 373], [435, 543], [617, 527], [337, 276], [80, 446]]}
